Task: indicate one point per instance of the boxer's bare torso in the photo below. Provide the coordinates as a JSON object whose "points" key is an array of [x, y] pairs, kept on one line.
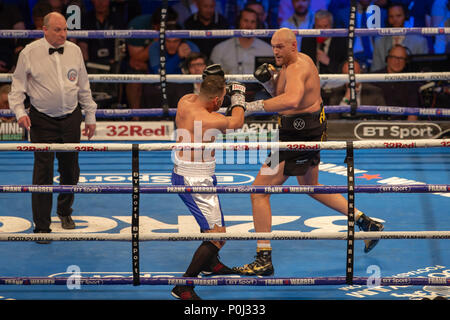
{"points": [[297, 84], [301, 70], [197, 121], [193, 120]]}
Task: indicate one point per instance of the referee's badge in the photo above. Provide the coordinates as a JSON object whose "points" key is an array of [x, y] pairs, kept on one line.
{"points": [[72, 75]]}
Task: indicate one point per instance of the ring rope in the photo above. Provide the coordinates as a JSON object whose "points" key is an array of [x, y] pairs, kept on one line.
{"points": [[330, 79], [159, 112], [213, 33], [273, 189], [238, 146], [241, 236], [224, 281]]}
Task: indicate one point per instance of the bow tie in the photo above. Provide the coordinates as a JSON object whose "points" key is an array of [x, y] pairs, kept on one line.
{"points": [[60, 50]]}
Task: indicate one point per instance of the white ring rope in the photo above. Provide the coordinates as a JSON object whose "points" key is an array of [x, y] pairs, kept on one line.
{"points": [[240, 146], [275, 235], [329, 79]]}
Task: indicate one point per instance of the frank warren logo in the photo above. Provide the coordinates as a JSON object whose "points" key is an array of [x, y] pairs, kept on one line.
{"points": [[393, 130], [154, 178]]}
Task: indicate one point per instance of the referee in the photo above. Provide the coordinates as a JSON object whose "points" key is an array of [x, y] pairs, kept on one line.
{"points": [[52, 73]]}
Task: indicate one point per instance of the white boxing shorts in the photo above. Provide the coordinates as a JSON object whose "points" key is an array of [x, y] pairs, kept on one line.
{"points": [[205, 207]]}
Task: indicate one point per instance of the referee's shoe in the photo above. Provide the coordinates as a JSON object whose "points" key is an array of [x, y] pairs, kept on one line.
{"points": [[67, 222]]}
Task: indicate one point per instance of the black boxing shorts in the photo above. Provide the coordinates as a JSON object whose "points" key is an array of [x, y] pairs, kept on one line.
{"points": [[301, 127]]}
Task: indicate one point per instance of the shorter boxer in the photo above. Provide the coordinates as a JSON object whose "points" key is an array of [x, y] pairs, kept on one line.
{"points": [[197, 167]]}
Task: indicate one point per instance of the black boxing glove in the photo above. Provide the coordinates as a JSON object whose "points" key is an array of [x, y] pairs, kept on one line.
{"points": [[236, 91], [266, 75], [213, 69]]}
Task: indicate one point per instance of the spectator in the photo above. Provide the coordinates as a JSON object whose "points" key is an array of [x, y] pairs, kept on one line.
{"points": [[327, 53], [442, 42], [207, 18], [194, 63], [383, 5], [286, 8], [263, 17], [101, 55], [257, 6], [396, 18], [63, 10], [366, 94], [10, 18], [138, 52], [335, 5], [341, 11], [127, 10], [303, 18], [440, 17], [363, 46], [237, 55], [40, 10], [176, 52], [420, 12], [100, 51], [4, 91], [420, 16], [186, 8], [57, 6], [61, 6], [440, 12], [402, 94]]}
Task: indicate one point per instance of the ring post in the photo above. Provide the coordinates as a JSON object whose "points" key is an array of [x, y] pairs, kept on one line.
{"points": [[351, 212], [135, 215], [162, 57], [351, 66]]}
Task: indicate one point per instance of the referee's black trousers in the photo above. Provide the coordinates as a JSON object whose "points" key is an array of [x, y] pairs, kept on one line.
{"points": [[45, 129]]}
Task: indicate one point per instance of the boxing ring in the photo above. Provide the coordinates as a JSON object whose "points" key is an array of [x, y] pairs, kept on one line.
{"points": [[132, 229], [158, 217]]}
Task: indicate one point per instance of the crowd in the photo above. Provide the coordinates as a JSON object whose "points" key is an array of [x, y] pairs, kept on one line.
{"points": [[379, 54]]}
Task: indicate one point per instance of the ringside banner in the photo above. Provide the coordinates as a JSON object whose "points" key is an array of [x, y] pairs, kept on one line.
{"points": [[366, 130], [10, 131], [133, 130], [374, 130], [337, 130]]}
